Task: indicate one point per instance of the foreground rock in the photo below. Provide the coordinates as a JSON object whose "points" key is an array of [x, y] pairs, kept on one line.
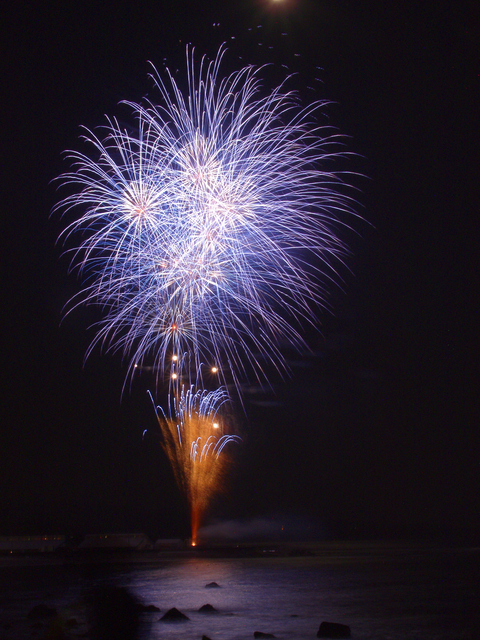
{"points": [[333, 630], [261, 634], [113, 613], [174, 615], [41, 612], [212, 585]]}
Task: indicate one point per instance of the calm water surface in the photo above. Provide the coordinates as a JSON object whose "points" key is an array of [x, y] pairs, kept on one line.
{"points": [[384, 593]]}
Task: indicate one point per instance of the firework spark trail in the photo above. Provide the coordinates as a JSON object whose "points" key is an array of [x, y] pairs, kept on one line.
{"points": [[211, 230], [195, 433]]}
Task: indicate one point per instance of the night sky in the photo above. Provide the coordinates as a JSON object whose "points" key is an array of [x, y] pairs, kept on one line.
{"points": [[376, 432]]}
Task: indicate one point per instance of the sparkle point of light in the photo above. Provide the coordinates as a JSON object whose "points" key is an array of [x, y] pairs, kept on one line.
{"points": [[214, 369], [215, 425], [174, 376]]}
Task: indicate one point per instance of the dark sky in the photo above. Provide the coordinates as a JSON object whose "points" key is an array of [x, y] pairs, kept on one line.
{"points": [[376, 433]]}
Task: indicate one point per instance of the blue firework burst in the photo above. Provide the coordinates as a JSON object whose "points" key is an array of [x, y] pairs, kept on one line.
{"points": [[211, 229]]}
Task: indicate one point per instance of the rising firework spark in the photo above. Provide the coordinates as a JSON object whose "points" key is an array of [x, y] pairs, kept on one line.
{"points": [[210, 230], [194, 436]]}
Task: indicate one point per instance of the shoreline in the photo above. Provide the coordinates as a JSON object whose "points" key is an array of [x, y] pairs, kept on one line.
{"points": [[338, 552]]}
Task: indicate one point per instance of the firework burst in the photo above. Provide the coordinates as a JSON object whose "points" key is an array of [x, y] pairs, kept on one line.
{"points": [[210, 229]]}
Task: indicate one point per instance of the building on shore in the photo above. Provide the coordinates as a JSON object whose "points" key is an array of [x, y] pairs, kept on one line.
{"points": [[30, 544], [133, 541]]}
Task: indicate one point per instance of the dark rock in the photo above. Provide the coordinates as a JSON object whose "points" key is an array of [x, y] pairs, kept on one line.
{"points": [[333, 630], [56, 629], [207, 608], [212, 585], [147, 608], [174, 615], [205, 638], [71, 623], [260, 634], [40, 611], [113, 613]]}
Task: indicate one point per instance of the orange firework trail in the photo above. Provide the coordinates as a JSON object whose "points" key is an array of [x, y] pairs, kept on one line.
{"points": [[195, 434]]}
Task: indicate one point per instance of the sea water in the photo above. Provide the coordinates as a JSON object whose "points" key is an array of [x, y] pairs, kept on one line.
{"points": [[381, 592]]}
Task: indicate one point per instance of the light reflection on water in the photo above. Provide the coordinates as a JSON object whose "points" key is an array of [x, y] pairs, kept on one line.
{"points": [[418, 595]]}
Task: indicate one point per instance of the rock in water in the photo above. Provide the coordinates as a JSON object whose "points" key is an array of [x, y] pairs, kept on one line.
{"points": [[212, 585], [260, 634], [147, 608], [71, 623], [333, 630], [207, 608], [174, 615]]}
